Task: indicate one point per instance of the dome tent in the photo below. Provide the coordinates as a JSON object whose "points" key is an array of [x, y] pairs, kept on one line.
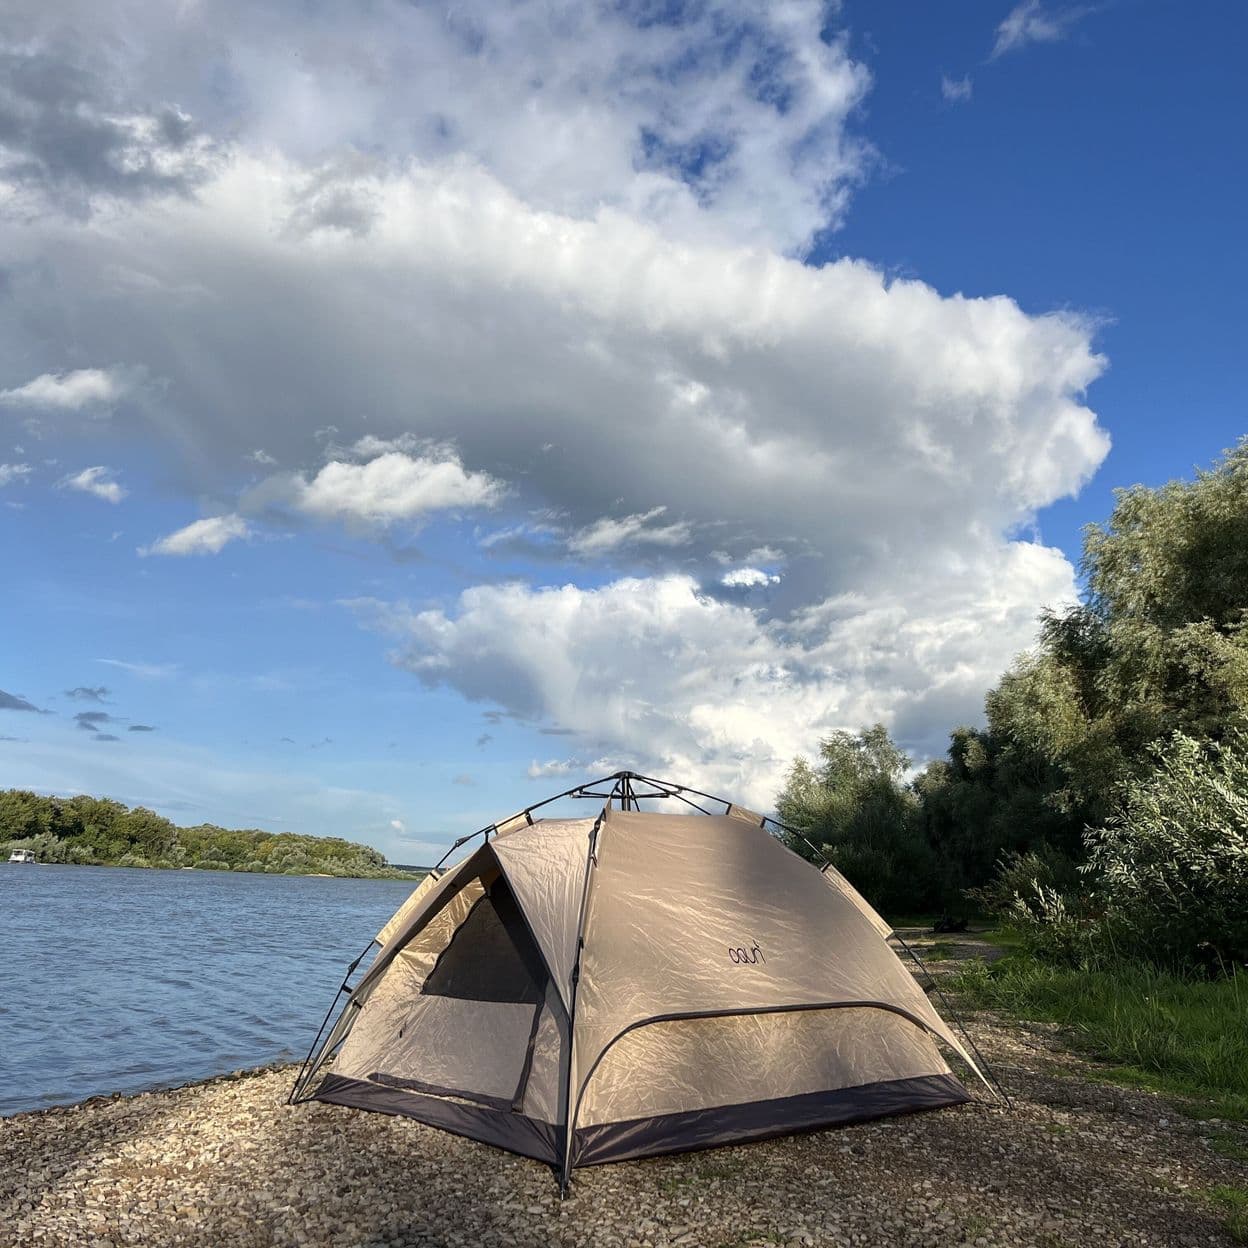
{"points": [[589, 990]]}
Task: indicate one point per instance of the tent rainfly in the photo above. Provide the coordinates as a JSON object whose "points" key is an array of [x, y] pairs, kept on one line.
{"points": [[589, 990]]}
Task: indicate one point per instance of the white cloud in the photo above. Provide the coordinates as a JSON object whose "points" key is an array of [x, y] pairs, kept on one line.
{"points": [[1031, 22], [149, 671], [956, 90], [555, 767], [97, 481], [397, 825], [748, 578], [84, 387], [727, 112], [568, 254], [202, 537], [662, 676], [393, 486], [608, 534], [13, 472]]}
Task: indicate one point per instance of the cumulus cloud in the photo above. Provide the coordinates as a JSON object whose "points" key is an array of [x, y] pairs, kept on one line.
{"points": [[66, 136], [93, 721], [748, 578], [391, 487], [727, 112], [71, 391], [660, 674], [141, 728], [956, 90], [98, 482], [1031, 22], [13, 472], [208, 536], [564, 246]]}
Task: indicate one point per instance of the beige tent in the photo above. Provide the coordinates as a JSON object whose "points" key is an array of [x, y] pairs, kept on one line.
{"points": [[588, 990]]}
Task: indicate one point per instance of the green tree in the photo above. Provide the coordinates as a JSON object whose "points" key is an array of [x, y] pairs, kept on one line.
{"points": [[855, 808]]}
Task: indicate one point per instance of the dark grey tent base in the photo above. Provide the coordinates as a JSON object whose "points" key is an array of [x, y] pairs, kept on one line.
{"points": [[514, 1132], [760, 1120], [648, 1137]]}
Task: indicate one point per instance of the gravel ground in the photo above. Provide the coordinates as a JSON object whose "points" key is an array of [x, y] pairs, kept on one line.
{"points": [[1075, 1163]]}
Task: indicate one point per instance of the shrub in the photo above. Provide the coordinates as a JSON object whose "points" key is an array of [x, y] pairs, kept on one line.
{"points": [[1171, 866]]}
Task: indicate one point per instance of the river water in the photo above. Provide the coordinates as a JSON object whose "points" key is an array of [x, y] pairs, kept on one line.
{"points": [[116, 980]]}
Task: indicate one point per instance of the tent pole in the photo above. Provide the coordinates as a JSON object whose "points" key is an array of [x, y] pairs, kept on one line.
{"points": [[957, 1018], [333, 1005], [575, 791], [591, 860]]}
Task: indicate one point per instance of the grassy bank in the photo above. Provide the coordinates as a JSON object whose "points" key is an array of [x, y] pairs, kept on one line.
{"points": [[1155, 1029]]}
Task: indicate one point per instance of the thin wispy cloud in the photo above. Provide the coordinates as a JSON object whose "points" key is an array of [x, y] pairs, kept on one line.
{"points": [[1031, 22], [611, 533], [201, 537], [956, 90], [149, 671], [97, 481]]}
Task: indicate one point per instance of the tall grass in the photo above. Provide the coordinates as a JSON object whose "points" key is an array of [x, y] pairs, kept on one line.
{"points": [[1158, 1028]]}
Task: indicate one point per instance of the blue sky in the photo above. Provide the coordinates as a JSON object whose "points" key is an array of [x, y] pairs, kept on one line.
{"points": [[407, 414]]}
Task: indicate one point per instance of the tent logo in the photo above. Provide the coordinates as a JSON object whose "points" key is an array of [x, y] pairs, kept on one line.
{"points": [[746, 957]]}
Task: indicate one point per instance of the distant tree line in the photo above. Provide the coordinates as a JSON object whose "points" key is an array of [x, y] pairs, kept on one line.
{"points": [[1107, 797], [100, 832]]}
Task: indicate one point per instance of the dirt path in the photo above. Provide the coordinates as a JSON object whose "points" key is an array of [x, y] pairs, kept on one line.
{"points": [[1077, 1162]]}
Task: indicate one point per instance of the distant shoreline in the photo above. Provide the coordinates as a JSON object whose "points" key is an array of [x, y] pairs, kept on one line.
{"points": [[398, 875]]}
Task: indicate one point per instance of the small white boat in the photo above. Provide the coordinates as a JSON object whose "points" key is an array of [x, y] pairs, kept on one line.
{"points": [[23, 855]]}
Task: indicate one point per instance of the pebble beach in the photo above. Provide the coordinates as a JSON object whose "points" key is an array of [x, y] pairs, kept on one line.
{"points": [[1075, 1162]]}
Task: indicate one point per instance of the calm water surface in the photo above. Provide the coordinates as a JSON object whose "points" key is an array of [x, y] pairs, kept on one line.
{"points": [[115, 980]]}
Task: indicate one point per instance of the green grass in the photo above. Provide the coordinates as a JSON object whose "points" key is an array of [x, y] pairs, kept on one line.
{"points": [[1232, 1147], [1156, 1029], [1233, 1201]]}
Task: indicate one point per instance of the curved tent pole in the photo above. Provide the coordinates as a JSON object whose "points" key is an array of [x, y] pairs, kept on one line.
{"points": [[948, 1005], [580, 790], [569, 1123], [333, 1005]]}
